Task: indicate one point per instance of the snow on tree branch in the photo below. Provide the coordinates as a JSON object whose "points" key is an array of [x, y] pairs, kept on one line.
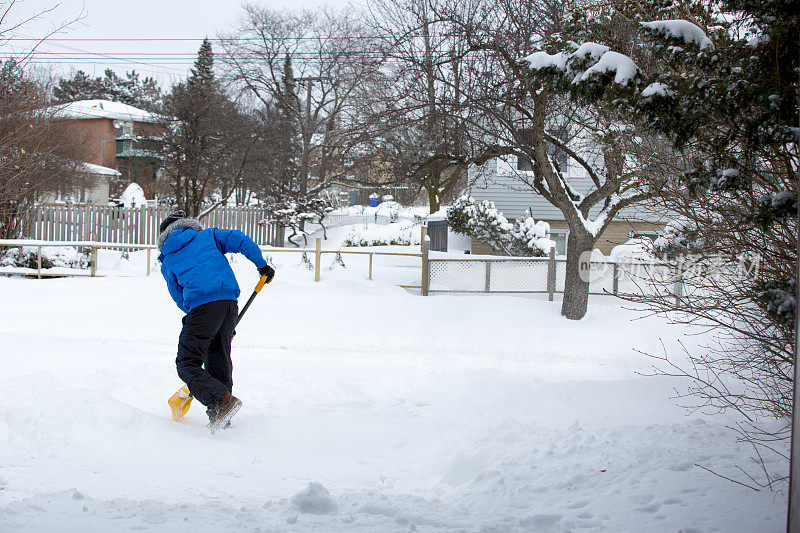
{"points": [[588, 62], [682, 30], [481, 220]]}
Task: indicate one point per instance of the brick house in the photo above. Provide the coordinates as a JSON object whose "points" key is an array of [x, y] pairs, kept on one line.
{"points": [[500, 180], [116, 136]]}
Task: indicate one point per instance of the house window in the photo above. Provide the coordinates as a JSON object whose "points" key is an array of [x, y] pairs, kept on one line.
{"points": [[124, 129], [560, 236], [652, 235]]}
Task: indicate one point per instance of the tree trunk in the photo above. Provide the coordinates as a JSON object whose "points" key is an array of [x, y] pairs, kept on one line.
{"points": [[433, 198], [576, 290]]}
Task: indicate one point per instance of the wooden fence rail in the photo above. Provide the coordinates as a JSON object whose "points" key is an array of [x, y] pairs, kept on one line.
{"points": [[139, 225]]}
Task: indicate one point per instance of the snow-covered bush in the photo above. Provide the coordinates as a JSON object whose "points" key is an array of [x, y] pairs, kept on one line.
{"points": [[292, 213], [52, 257], [482, 221], [678, 239], [531, 237], [391, 234], [133, 196]]}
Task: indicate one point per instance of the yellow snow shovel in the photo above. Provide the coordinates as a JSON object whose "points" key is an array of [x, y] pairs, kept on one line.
{"points": [[182, 400]]}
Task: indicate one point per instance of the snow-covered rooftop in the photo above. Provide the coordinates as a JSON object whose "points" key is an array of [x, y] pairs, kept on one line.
{"points": [[83, 109], [91, 168]]}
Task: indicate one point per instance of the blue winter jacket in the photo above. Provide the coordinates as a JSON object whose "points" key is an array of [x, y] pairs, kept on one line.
{"points": [[195, 267]]}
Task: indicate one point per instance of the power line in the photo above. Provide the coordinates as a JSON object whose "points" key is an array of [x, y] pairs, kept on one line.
{"points": [[213, 39], [97, 54]]}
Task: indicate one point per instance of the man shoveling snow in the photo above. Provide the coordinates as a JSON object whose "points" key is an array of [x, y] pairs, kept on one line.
{"points": [[201, 282]]}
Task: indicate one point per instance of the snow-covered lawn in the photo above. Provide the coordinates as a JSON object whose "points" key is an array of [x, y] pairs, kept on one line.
{"points": [[473, 413]]}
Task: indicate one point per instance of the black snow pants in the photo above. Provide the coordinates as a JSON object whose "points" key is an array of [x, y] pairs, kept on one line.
{"points": [[204, 350]]}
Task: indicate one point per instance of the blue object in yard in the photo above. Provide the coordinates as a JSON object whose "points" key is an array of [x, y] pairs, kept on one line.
{"points": [[374, 199]]}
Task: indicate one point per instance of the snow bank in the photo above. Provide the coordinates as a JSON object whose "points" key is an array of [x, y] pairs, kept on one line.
{"points": [[640, 249]]}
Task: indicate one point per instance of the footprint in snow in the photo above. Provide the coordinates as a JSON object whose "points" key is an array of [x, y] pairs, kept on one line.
{"points": [[580, 504], [649, 509]]}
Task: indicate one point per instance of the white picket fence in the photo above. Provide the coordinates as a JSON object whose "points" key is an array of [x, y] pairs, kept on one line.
{"points": [[139, 225]]}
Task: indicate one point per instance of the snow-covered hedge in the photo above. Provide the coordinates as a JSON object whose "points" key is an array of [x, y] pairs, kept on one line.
{"points": [[482, 221], [401, 234], [52, 257]]}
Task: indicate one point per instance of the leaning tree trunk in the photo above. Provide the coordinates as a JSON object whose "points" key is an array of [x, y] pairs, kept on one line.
{"points": [[433, 198], [576, 287]]}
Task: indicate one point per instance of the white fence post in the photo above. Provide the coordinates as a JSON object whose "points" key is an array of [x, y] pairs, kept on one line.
{"points": [[426, 264]]}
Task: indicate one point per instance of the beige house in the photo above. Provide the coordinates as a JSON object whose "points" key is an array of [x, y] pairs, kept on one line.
{"points": [[95, 191], [502, 181]]}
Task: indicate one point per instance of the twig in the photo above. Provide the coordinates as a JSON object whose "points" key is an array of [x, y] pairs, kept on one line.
{"points": [[729, 479]]}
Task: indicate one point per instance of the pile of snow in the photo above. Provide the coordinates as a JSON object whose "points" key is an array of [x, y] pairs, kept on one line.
{"points": [[638, 249], [681, 29], [315, 499], [133, 196], [401, 234]]}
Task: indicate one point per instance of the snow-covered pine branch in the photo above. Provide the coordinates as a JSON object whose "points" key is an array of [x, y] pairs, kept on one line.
{"points": [[482, 221]]}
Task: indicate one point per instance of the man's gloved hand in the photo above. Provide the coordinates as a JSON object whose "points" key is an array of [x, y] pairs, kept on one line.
{"points": [[268, 271]]}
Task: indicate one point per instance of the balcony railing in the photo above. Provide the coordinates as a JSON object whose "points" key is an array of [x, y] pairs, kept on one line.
{"points": [[146, 149]]}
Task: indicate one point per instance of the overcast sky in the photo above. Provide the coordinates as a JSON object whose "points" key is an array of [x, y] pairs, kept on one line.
{"points": [[73, 49]]}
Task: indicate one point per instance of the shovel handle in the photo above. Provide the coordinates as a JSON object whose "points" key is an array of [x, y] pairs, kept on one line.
{"points": [[261, 283], [259, 286]]}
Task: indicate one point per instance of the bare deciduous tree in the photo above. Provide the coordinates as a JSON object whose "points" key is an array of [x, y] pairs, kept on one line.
{"points": [[306, 67]]}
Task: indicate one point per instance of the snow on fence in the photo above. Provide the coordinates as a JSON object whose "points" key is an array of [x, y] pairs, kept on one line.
{"points": [[499, 274], [139, 225], [104, 258], [440, 271]]}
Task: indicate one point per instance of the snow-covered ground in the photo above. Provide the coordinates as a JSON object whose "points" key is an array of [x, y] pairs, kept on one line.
{"points": [[380, 409]]}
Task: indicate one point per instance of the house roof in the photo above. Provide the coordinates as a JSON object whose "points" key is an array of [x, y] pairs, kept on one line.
{"points": [[91, 168], [85, 109], [498, 182]]}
